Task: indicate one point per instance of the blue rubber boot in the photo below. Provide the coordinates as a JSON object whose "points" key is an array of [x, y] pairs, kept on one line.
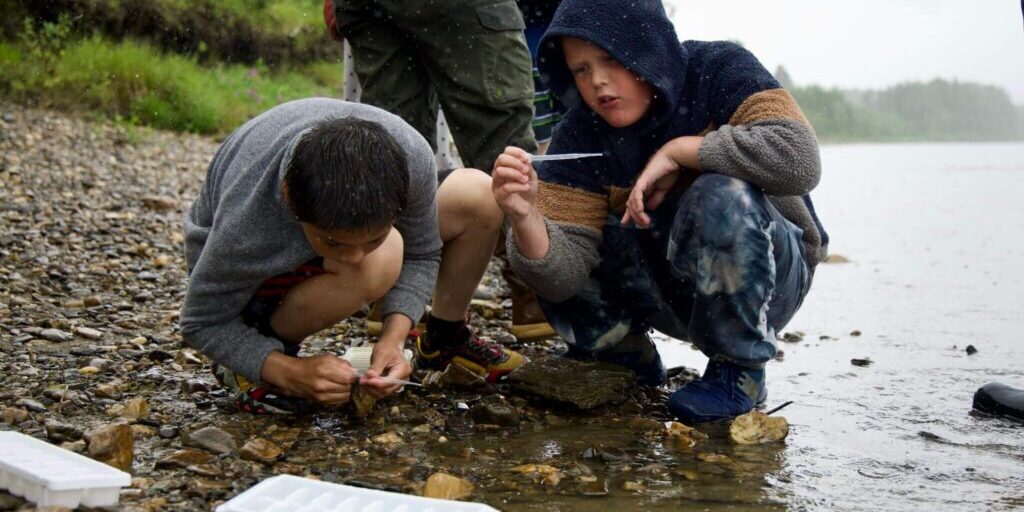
{"points": [[636, 351], [726, 390]]}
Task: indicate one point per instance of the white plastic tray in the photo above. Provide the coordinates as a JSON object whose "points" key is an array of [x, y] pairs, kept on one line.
{"points": [[286, 493], [48, 475], [359, 357]]}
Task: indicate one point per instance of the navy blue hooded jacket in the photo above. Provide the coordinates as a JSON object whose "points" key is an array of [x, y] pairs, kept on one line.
{"points": [[753, 131]]}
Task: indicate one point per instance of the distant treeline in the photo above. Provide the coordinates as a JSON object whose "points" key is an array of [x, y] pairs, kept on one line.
{"points": [[939, 110], [204, 65]]}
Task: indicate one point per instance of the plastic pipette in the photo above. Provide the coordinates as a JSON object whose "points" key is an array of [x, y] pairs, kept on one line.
{"points": [[391, 380], [564, 156]]}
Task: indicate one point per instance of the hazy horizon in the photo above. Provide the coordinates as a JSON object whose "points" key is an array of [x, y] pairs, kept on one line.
{"points": [[872, 44]]}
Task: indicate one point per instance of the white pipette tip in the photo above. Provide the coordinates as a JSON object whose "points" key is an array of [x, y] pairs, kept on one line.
{"points": [[564, 156], [391, 380]]}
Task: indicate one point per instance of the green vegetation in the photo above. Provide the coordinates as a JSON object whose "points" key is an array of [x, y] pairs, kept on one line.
{"points": [[133, 81], [206, 66], [939, 110], [276, 32]]}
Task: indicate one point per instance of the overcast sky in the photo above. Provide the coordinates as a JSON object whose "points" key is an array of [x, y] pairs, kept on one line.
{"points": [[870, 43]]}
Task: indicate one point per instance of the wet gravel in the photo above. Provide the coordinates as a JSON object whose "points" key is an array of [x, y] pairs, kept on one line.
{"points": [[91, 279]]}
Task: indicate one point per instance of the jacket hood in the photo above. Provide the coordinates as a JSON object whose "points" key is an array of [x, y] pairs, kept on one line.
{"points": [[638, 34]]}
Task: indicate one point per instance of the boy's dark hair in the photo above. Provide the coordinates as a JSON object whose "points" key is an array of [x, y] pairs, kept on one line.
{"points": [[347, 174]]}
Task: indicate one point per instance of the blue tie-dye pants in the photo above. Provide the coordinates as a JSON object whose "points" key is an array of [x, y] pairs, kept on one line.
{"points": [[719, 267]]}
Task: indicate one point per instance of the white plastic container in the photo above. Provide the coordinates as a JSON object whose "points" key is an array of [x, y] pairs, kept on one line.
{"points": [[288, 493], [48, 475], [359, 357]]}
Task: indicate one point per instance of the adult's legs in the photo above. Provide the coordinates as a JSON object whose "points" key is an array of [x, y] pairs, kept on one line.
{"points": [[476, 57], [389, 65]]}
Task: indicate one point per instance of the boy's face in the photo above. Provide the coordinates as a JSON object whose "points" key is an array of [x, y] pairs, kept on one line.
{"points": [[344, 246], [617, 95]]}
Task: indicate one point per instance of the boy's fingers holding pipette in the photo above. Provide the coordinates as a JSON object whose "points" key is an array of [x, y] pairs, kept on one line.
{"points": [[518, 153], [510, 162], [504, 175]]}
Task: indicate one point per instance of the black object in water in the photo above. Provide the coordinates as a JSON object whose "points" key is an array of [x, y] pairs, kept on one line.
{"points": [[996, 398]]}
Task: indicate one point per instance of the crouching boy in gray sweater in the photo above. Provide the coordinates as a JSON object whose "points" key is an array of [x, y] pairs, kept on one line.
{"points": [[309, 212]]}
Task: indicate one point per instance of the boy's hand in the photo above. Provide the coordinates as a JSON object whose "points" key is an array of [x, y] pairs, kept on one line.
{"points": [[650, 189], [659, 176], [514, 183], [387, 360], [325, 378]]}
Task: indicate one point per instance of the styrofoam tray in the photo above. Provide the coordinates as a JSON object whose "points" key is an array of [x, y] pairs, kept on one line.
{"points": [[48, 475], [359, 357], [286, 493]]}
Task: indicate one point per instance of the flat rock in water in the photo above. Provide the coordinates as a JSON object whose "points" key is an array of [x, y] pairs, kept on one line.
{"points": [[260, 450], [684, 436], [210, 438], [495, 411], [756, 427], [1000, 399], [447, 487], [582, 384]]}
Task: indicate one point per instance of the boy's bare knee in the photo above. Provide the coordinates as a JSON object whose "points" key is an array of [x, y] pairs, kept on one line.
{"points": [[466, 194]]}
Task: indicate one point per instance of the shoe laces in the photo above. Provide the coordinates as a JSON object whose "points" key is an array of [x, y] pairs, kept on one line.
{"points": [[485, 350]]}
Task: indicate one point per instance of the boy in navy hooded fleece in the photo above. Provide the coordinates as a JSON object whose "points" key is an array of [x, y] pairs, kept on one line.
{"points": [[695, 222]]}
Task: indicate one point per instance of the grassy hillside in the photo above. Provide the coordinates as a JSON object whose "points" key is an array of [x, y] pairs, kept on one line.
{"points": [[141, 81]]}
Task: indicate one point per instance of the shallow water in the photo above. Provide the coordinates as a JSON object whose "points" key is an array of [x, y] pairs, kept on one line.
{"points": [[936, 236], [934, 233]]}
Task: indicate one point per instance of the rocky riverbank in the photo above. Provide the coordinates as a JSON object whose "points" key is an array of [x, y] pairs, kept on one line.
{"points": [[91, 279]]}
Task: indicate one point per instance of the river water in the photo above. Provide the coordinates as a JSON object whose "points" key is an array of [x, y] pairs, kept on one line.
{"points": [[935, 239]]}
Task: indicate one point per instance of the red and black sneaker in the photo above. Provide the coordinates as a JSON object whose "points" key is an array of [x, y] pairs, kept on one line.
{"points": [[259, 399], [486, 358]]}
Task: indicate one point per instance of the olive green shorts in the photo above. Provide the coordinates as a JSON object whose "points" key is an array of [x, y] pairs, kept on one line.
{"points": [[469, 56]]}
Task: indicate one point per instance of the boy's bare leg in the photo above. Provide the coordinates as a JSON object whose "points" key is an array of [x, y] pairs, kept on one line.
{"points": [[320, 302], [470, 223]]}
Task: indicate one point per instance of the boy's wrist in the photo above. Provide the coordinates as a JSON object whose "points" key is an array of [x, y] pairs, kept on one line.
{"points": [[686, 151], [532, 235], [277, 369], [529, 221], [396, 329]]}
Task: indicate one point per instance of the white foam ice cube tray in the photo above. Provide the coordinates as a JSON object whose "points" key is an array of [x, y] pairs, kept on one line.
{"points": [[359, 357], [286, 493], [48, 475]]}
